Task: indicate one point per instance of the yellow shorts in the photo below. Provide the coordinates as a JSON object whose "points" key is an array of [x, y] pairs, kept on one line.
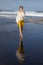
{"points": [[21, 23]]}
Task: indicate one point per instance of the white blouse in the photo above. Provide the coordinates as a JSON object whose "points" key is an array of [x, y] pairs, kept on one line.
{"points": [[20, 17]]}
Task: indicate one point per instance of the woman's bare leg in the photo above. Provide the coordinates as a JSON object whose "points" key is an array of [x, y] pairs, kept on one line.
{"points": [[20, 30]]}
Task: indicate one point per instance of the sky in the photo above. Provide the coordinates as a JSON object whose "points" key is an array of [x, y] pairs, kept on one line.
{"points": [[29, 5]]}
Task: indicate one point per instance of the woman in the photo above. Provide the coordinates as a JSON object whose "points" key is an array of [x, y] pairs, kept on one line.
{"points": [[20, 20]]}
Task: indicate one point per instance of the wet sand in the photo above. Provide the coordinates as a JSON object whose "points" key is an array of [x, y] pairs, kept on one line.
{"points": [[32, 43]]}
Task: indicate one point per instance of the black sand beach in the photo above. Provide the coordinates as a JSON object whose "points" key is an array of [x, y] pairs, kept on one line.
{"points": [[32, 43]]}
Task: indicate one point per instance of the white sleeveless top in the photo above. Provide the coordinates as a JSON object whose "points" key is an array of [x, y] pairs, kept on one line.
{"points": [[20, 17]]}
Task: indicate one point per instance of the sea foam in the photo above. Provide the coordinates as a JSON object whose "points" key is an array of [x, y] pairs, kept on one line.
{"points": [[13, 14]]}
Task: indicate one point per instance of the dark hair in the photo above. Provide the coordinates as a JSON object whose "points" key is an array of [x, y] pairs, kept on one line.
{"points": [[21, 7]]}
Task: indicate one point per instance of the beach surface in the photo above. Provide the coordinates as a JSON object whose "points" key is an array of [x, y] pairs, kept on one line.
{"points": [[32, 42]]}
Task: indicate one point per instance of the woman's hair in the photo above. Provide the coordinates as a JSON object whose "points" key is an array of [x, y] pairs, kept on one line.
{"points": [[21, 7]]}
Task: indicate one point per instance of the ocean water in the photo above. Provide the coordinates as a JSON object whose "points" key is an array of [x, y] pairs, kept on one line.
{"points": [[32, 43]]}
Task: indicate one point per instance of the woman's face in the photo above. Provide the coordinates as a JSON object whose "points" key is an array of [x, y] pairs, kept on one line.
{"points": [[21, 9]]}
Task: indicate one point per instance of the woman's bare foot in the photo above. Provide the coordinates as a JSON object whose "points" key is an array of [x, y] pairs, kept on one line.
{"points": [[21, 36]]}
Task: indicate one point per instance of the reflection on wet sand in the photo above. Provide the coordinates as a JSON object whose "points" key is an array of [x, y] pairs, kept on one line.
{"points": [[20, 52]]}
